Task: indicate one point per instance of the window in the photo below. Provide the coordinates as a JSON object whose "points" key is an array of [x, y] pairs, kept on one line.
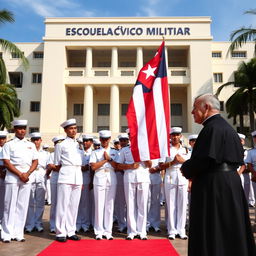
{"points": [[103, 109], [176, 109], [216, 54], [15, 55], [38, 55], [33, 129], [35, 106], [238, 54], [78, 109], [16, 79], [217, 77], [221, 105], [124, 108], [37, 78], [99, 128], [124, 128], [18, 102], [79, 128]]}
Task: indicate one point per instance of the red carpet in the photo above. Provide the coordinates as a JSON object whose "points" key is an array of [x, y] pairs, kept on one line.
{"points": [[118, 247]]}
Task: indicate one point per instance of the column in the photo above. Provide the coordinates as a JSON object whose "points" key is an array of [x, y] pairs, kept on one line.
{"points": [[88, 62], [114, 109], [88, 109], [139, 59], [114, 62]]}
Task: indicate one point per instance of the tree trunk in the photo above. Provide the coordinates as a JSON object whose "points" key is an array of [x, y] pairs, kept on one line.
{"points": [[241, 122]]}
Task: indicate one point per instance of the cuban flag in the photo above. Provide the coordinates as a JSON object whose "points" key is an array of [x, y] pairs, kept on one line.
{"points": [[148, 113]]}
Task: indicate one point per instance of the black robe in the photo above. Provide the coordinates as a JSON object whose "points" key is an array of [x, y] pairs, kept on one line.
{"points": [[219, 216]]}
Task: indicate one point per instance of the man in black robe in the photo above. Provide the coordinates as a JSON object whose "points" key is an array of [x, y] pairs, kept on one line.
{"points": [[219, 217]]}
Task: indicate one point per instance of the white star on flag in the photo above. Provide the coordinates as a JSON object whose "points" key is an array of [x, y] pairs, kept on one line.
{"points": [[149, 72]]}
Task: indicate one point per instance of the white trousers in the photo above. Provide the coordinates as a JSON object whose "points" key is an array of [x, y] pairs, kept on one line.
{"points": [[248, 188], [36, 206], [104, 197], [54, 188], [120, 206], [136, 195], [48, 191], [15, 210], [2, 192], [84, 210], [67, 208], [154, 206], [176, 197]]}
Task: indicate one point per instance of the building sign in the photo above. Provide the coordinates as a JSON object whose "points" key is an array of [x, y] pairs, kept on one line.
{"points": [[127, 31]]}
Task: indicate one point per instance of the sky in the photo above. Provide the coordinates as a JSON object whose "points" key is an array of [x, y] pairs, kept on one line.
{"points": [[227, 15]]}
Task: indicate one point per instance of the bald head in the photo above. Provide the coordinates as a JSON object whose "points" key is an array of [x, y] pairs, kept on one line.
{"points": [[205, 105]]}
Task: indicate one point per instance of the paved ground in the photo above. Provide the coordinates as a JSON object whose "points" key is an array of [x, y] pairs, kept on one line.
{"points": [[36, 242]]}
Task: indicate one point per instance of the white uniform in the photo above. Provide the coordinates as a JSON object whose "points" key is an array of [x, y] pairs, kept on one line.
{"points": [[136, 187], [154, 198], [250, 190], [104, 186], [37, 195], [84, 217], [69, 155], [176, 194], [2, 190], [120, 205], [21, 153]]}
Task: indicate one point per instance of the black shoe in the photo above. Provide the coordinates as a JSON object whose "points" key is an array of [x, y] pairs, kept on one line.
{"points": [[61, 239], [74, 238], [6, 241]]}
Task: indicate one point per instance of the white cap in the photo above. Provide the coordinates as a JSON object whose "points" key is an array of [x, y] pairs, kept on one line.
{"points": [[87, 137], [253, 133], [192, 137], [79, 140], [35, 135], [104, 134], [45, 146], [57, 138], [123, 136], [96, 142], [19, 123], [176, 130], [115, 141], [3, 134], [127, 130], [68, 123], [241, 136]]}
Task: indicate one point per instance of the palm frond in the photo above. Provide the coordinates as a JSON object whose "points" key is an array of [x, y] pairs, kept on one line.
{"points": [[251, 11], [6, 16], [11, 47], [223, 86]]}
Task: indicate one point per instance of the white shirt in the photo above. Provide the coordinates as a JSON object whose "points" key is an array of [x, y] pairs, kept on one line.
{"points": [[54, 175], [69, 155], [140, 174], [86, 159], [173, 174], [21, 153], [251, 158], [106, 172], [39, 173], [155, 178]]}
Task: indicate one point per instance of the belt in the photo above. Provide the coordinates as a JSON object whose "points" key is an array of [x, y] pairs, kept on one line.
{"points": [[224, 167]]}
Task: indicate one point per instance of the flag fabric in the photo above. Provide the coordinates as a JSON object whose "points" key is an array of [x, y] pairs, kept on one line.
{"points": [[148, 113]]}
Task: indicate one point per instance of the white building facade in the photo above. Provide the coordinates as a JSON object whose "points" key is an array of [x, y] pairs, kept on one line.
{"points": [[86, 68]]}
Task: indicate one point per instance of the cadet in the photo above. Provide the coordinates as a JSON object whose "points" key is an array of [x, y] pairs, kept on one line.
{"points": [[84, 217], [52, 173], [21, 158], [68, 157], [3, 136], [136, 187], [176, 186], [38, 189], [104, 186]]}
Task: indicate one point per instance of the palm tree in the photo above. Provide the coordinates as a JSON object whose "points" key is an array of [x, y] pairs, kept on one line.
{"points": [[243, 35], [8, 97], [243, 101]]}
